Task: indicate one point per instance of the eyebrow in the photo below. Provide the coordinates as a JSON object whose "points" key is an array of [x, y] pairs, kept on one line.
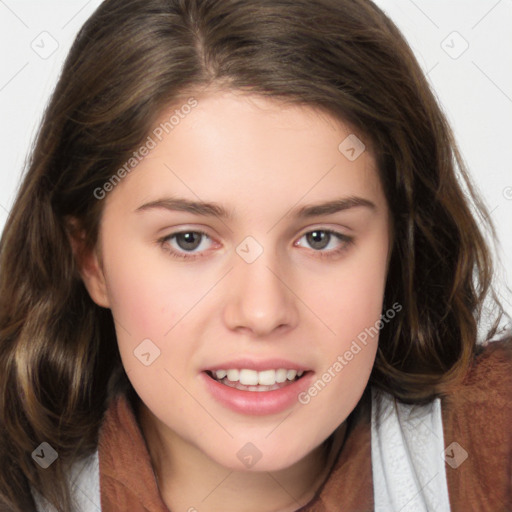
{"points": [[210, 209]]}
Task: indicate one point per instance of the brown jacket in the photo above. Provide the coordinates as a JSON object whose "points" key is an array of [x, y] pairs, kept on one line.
{"points": [[477, 414]]}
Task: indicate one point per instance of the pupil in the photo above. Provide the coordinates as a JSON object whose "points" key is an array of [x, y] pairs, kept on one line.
{"points": [[190, 240], [318, 239]]}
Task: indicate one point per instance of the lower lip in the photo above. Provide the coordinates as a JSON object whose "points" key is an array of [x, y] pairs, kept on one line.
{"points": [[257, 402]]}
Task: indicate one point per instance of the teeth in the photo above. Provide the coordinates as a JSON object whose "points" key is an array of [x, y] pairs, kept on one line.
{"points": [[253, 378], [291, 374], [281, 375], [266, 378], [248, 377], [233, 375]]}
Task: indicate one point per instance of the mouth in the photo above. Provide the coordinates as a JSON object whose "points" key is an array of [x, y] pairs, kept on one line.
{"points": [[245, 379], [256, 387]]}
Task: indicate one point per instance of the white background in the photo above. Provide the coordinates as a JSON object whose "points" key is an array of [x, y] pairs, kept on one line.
{"points": [[474, 88]]}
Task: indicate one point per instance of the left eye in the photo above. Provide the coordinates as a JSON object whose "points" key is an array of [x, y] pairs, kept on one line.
{"points": [[320, 239]]}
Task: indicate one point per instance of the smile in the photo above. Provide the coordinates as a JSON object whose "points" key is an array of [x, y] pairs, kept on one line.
{"points": [[252, 380], [253, 392]]}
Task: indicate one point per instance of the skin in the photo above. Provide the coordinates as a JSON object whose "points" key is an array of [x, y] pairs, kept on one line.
{"points": [[259, 160]]}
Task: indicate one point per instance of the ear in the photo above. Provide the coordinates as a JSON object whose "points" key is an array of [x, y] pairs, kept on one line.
{"points": [[89, 264]]}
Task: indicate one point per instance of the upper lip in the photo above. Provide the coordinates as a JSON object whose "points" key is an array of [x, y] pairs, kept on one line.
{"points": [[253, 364]]}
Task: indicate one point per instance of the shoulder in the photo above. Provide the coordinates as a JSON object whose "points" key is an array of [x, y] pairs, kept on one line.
{"points": [[488, 382], [477, 414]]}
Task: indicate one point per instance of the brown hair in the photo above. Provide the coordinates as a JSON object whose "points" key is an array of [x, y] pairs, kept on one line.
{"points": [[58, 356]]}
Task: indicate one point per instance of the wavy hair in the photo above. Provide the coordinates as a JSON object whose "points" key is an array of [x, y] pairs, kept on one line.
{"points": [[59, 361]]}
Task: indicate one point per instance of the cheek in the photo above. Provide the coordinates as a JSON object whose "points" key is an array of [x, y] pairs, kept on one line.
{"points": [[146, 298], [352, 308], [150, 302], [136, 304], [145, 309]]}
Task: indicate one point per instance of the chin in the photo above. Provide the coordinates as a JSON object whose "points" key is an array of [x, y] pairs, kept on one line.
{"points": [[262, 456]]}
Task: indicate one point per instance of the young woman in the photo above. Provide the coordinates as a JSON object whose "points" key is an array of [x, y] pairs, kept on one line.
{"points": [[242, 272]]}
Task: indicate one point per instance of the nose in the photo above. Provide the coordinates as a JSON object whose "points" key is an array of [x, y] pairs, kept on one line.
{"points": [[261, 298]]}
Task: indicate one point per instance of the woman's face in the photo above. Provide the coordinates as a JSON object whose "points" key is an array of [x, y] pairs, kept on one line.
{"points": [[288, 277]]}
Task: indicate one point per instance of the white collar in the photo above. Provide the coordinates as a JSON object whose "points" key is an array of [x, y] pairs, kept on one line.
{"points": [[408, 465]]}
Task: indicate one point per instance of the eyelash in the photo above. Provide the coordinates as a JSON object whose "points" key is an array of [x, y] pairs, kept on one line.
{"points": [[347, 241]]}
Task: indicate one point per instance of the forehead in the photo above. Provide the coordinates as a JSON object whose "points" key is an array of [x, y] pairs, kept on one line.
{"points": [[238, 149]]}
